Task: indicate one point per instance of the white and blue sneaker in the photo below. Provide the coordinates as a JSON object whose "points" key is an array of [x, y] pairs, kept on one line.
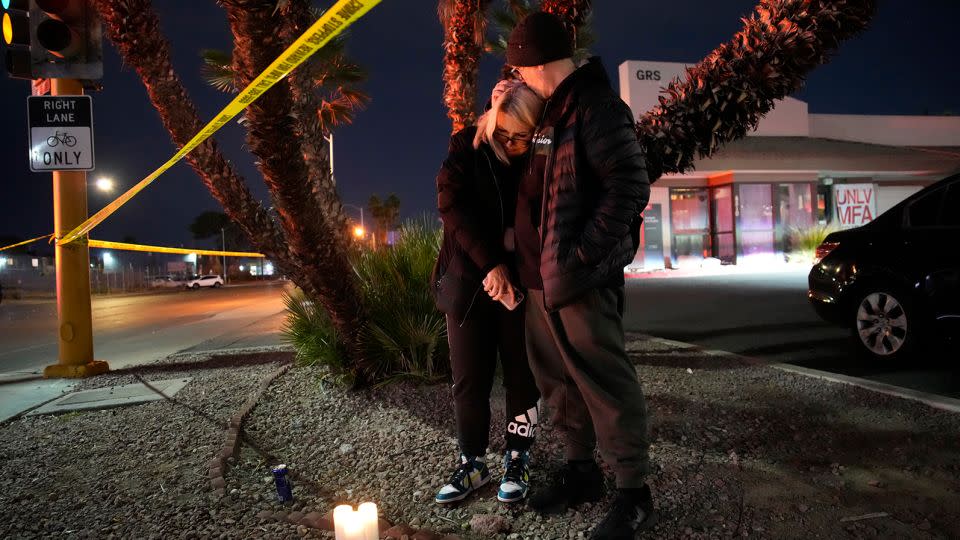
{"points": [[469, 476], [516, 476]]}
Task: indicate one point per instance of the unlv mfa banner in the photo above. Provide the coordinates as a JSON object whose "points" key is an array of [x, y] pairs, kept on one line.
{"points": [[856, 204]]}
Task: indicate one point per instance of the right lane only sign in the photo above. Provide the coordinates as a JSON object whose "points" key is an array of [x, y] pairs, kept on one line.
{"points": [[61, 133]]}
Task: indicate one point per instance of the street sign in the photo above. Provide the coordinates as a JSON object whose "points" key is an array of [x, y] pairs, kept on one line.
{"points": [[61, 133]]}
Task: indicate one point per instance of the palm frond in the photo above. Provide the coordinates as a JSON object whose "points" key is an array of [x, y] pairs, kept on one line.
{"points": [[217, 70], [724, 96]]}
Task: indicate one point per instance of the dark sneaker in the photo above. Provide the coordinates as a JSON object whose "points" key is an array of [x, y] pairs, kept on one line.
{"points": [[470, 475], [632, 512], [516, 477], [578, 483]]}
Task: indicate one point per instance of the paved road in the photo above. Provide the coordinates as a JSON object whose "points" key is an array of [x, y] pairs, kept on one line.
{"points": [[136, 329], [766, 315]]}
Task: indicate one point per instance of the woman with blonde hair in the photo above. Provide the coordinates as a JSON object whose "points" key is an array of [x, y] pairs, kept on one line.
{"points": [[473, 284]]}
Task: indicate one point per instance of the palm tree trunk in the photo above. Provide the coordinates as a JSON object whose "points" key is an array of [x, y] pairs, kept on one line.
{"points": [[133, 27], [464, 25], [297, 17], [725, 95], [272, 137]]}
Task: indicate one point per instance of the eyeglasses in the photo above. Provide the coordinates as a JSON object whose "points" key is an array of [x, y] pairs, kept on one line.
{"points": [[518, 140]]}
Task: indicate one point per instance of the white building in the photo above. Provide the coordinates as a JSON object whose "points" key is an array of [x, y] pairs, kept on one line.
{"points": [[796, 170]]}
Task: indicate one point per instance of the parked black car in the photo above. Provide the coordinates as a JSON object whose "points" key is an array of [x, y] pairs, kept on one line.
{"points": [[895, 282]]}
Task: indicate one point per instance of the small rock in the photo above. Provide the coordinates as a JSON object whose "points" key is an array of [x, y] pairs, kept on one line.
{"points": [[424, 534], [265, 515], [346, 448], [489, 525], [397, 531], [803, 508]]}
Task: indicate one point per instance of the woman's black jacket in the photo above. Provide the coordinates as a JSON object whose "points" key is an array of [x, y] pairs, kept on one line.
{"points": [[472, 189]]}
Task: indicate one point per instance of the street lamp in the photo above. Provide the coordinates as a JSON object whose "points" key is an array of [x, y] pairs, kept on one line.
{"points": [[360, 208], [104, 184], [359, 232]]}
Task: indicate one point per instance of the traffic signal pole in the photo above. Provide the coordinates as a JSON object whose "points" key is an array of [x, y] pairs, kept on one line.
{"points": [[74, 313]]}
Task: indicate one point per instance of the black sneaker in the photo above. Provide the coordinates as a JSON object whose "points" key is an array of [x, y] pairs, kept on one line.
{"points": [[632, 512], [578, 483], [470, 475]]}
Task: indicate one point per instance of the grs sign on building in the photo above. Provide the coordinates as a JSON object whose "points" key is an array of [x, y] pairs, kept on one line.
{"points": [[641, 82]]}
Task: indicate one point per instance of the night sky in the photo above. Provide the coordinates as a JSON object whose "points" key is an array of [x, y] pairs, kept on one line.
{"points": [[906, 63]]}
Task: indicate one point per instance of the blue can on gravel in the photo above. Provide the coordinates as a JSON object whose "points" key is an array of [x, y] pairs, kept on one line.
{"points": [[281, 478]]}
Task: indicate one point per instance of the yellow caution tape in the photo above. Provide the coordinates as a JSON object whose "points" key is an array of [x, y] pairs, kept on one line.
{"points": [[121, 246], [329, 25], [32, 240]]}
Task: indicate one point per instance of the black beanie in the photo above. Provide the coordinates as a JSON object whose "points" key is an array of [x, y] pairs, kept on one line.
{"points": [[538, 39]]}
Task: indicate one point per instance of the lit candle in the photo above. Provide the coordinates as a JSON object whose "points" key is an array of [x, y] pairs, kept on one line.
{"points": [[341, 515], [371, 522], [362, 524]]}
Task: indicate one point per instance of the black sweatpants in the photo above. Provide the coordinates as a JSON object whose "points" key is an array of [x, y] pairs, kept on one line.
{"points": [[578, 356], [488, 330]]}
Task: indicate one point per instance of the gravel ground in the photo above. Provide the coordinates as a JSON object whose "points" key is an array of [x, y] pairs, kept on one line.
{"points": [[739, 450]]}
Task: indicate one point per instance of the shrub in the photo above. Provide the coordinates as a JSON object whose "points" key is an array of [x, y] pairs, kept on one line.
{"points": [[406, 335], [805, 240]]}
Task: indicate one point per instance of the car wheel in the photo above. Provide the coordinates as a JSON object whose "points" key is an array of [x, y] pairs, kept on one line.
{"points": [[217, 285], [884, 326], [196, 286]]}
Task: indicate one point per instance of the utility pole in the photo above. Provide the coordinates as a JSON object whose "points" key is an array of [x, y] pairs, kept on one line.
{"points": [[74, 312], [329, 139], [223, 240]]}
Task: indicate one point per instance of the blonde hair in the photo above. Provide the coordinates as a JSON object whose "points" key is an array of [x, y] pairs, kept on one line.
{"points": [[515, 99]]}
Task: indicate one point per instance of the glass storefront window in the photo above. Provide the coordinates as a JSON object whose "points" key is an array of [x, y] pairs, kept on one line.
{"points": [[689, 224], [755, 232], [723, 223]]}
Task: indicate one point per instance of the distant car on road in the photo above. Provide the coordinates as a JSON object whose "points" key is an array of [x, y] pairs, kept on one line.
{"points": [[211, 280], [895, 282]]}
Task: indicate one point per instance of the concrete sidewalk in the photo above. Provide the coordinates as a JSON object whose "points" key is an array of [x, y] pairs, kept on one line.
{"points": [[21, 391]]}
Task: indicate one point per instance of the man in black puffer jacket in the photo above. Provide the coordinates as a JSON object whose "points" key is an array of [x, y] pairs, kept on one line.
{"points": [[577, 227]]}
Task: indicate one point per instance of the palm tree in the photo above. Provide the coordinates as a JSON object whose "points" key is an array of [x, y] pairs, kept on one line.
{"points": [[134, 29], [725, 95], [300, 239], [386, 215], [278, 139], [464, 27], [325, 96]]}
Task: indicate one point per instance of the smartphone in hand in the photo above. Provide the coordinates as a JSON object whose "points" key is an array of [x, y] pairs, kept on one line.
{"points": [[512, 300]]}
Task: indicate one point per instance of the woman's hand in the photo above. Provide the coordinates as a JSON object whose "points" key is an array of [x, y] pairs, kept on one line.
{"points": [[497, 282]]}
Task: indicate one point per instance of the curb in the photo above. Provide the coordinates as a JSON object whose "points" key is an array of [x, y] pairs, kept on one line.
{"points": [[931, 400], [231, 447]]}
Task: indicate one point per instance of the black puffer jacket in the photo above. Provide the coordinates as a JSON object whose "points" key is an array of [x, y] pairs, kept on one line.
{"points": [[476, 200], [595, 187]]}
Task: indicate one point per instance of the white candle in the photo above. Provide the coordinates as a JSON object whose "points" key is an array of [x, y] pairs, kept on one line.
{"points": [[341, 515], [362, 524], [371, 523]]}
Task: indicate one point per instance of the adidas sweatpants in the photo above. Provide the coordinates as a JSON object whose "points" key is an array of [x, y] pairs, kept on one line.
{"points": [[488, 330]]}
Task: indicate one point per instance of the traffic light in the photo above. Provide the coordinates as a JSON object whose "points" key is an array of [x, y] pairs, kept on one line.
{"points": [[16, 37], [66, 40], [49, 39]]}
